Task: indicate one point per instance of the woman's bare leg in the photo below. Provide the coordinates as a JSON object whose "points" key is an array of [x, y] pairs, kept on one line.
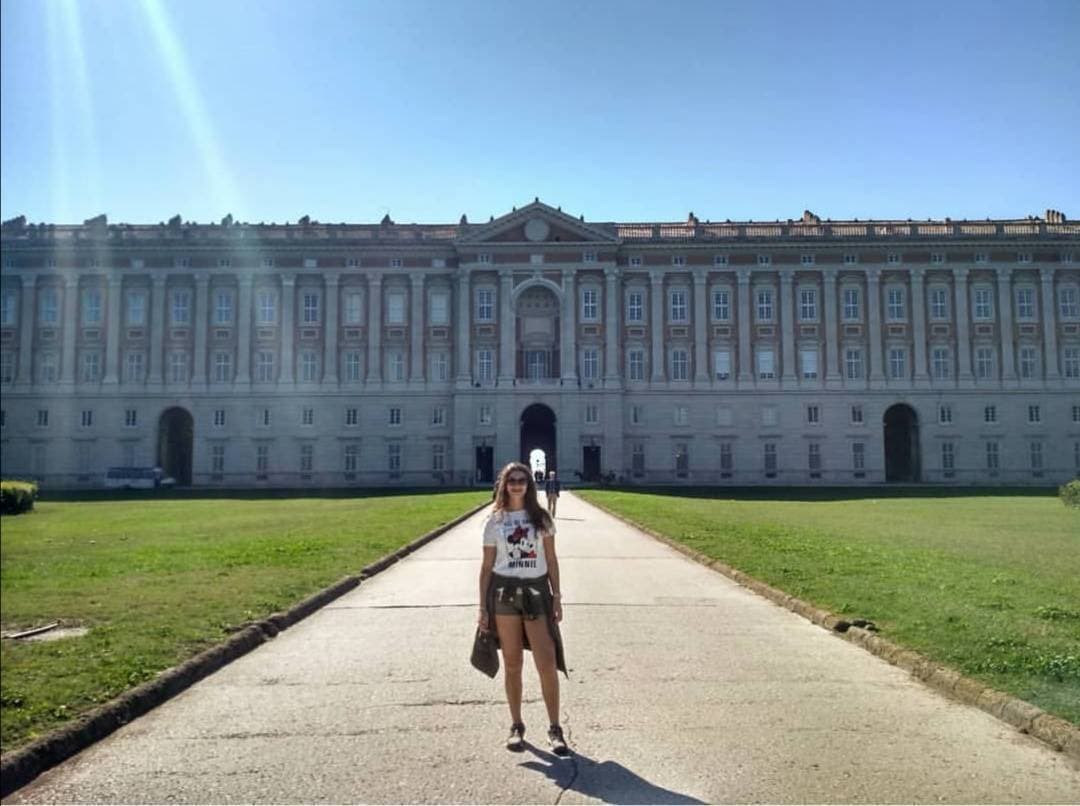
{"points": [[543, 652], [509, 629]]}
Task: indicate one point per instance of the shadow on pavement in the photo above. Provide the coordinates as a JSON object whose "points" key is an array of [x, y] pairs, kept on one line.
{"points": [[608, 781]]}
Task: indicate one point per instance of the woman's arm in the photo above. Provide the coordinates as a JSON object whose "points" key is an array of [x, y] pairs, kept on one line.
{"points": [[486, 565], [553, 574]]}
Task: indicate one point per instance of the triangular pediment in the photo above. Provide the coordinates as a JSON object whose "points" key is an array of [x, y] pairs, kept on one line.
{"points": [[538, 223]]}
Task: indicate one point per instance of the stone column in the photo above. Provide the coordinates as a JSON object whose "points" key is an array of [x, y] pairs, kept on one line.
{"points": [[243, 329], [873, 320], [612, 336], [831, 333], [27, 301], [374, 368], [506, 326], [112, 340], [416, 330], [159, 321], [1050, 348], [746, 367], [71, 326], [701, 323], [330, 333], [963, 334], [1008, 349], [787, 307], [464, 323], [568, 345], [288, 329], [202, 304], [918, 324], [656, 324]]}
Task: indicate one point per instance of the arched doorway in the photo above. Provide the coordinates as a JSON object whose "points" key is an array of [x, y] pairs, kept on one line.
{"points": [[538, 432], [901, 443], [176, 438]]}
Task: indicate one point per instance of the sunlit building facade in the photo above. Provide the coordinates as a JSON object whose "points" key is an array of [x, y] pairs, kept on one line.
{"points": [[323, 355]]}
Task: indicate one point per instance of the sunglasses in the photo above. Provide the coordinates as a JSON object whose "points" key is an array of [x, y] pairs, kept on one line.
{"points": [[517, 480]]}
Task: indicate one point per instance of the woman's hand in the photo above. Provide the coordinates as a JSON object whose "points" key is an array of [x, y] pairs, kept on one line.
{"points": [[482, 620], [556, 609]]}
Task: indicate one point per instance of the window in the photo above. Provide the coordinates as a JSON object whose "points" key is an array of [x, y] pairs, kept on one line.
{"points": [[635, 260], [485, 305], [992, 456], [42, 418], [853, 364], [395, 415], [856, 415], [813, 415], [989, 414], [635, 415], [178, 367], [937, 257], [397, 365], [87, 419], [131, 418], [262, 461], [352, 417], [1036, 456], [352, 457], [590, 364], [91, 306], [851, 304], [724, 416], [897, 363], [764, 305], [440, 308], [47, 368], [136, 308], [264, 366], [309, 366], [134, 367], [682, 459], [980, 257], [850, 259], [682, 415], [719, 260], [352, 366], [722, 364], [181, 307], [678, 305], [678, 260], [9, 310], [809, 358], [307, 416], [438, 415], [635, 309], [808, 260], [1069, 302], [224, 263], [892, 257], [1023, 257], [484, 369], [592, 414], [266, 309], [808, 304], [984, 363], [769, 415], [222, 366], [483, 257], [766, 364], [939, 303], [944, 416], [48, 307], [354, 307], [268, 263], [91, 367], [636, 361], [1029, 362], [223, 308], [896, 304], [858, 456], [262, 418], [941, 363], [588, 257], [764, 260], [1025, 303], [395, 308], [484, 416], [307, 458], [680, 365], [440, 367], [1034, 414], [722, 305], [948, 458], [727, 460], [637, 459], [1070, 362], [813, 457], [770, 459], [438, 457], [219, 418], [983, 307], [589, 304]]}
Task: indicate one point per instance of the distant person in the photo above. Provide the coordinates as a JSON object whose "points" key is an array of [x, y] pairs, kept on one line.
{"points": [[552, 489], [519, 587], [539, 476]]}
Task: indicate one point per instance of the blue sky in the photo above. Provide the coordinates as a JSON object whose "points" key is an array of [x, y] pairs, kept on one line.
{"points": [[623, 111]]}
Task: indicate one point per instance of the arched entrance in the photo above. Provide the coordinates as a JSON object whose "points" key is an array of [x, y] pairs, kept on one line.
{"points": [[901, 443], [176, 437], [538, 432]]}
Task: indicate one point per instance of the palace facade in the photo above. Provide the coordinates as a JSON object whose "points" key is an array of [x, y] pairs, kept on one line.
{"points": [[327, 355]]}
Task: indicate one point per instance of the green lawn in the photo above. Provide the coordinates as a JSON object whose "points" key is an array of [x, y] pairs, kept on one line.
{"points": [[157, 581], [988, 584]]}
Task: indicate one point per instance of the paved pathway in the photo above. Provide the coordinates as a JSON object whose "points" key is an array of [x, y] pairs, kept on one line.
{"points": [[684, 688]]}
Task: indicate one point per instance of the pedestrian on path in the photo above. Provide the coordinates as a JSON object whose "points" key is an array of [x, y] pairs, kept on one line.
{"points": [[552, 489], [519, 588]]}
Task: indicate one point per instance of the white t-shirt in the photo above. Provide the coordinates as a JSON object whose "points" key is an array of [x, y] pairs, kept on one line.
{"points": [[519, 548]]}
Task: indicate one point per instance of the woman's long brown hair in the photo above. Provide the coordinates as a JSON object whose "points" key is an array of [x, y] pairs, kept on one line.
{"points": [[541, 520]]}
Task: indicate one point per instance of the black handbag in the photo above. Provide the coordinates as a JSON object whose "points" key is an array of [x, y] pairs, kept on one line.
{"points": [[485, 655]]}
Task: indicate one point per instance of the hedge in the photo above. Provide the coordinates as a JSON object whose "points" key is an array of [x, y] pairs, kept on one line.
{"points": [[17, 497], [1070, 493]]}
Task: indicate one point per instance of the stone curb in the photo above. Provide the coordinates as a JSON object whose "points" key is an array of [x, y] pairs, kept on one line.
{"points": [[22, 766], [1025, 717]]}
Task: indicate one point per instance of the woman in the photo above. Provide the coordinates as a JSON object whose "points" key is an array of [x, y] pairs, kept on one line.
{"points": [[519, 588]]}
